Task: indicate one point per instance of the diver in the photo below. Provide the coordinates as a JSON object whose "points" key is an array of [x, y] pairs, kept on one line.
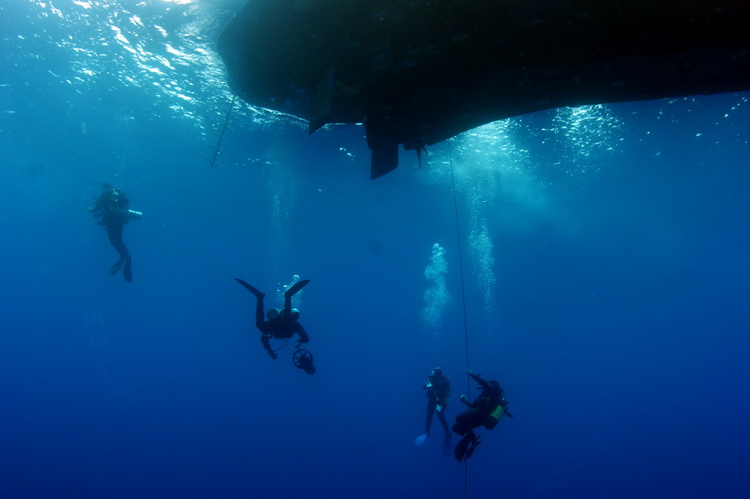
{"points": [[486, 410], [438, 389], [112, 206], [282, 324]]}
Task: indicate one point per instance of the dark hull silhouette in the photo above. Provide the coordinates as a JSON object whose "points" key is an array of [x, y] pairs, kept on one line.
{"points": [[419, 72]]}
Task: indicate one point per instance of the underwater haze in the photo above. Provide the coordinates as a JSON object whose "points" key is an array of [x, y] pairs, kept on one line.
{"points": [[594, 260]]}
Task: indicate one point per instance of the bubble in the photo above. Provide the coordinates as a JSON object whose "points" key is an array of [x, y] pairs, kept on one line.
{"points": [[481, 249], [436, 297], [296, 299]]}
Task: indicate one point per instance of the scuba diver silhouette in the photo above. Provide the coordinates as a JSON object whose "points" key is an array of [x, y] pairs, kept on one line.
{"points": [[437, 389], [486, 410], [112, 206], [282, 325]]}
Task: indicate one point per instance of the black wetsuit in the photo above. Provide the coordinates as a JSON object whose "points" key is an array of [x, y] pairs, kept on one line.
{"points": [[438, 390], [112, 207], [283, 327], [479, 413]]}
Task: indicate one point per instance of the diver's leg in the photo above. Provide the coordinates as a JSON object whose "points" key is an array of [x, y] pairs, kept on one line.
{"points": [[441, 417], [447, 446], [463, 445], [293, 289], [114, 232], [462, 423], [259, 316], [431, 404], [473, 418], [474, 442]]}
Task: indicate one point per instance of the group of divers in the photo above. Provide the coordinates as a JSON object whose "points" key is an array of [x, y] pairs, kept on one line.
{"points": [[112, 207]]}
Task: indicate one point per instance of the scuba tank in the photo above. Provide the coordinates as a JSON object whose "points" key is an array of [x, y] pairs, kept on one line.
{"points": [[133, 215], [494, 417]]}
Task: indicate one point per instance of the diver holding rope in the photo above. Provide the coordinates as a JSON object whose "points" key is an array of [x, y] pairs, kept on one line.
{"points": [[282, 324], [486, 410]]}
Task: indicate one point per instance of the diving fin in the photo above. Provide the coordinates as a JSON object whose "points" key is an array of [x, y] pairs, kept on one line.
{"points": [[116, 267], [250, 288], [420, 439], [127, 272], [294, 288], [474, 443], [460, 451]]}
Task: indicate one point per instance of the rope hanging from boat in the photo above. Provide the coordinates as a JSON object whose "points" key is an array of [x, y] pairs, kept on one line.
{"points": [[463, 296], [220, 139]]}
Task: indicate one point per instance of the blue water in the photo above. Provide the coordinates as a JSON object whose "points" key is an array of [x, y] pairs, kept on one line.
{"points": [[605, 268]]}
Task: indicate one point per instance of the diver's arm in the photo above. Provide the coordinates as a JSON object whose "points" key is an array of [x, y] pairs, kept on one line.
{"points": [[97, 209], [267, 346], [479, 380], [303, 337], [259, 316]]}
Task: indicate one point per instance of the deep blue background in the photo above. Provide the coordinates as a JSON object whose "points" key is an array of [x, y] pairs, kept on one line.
{"points": [[618, 321]]}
